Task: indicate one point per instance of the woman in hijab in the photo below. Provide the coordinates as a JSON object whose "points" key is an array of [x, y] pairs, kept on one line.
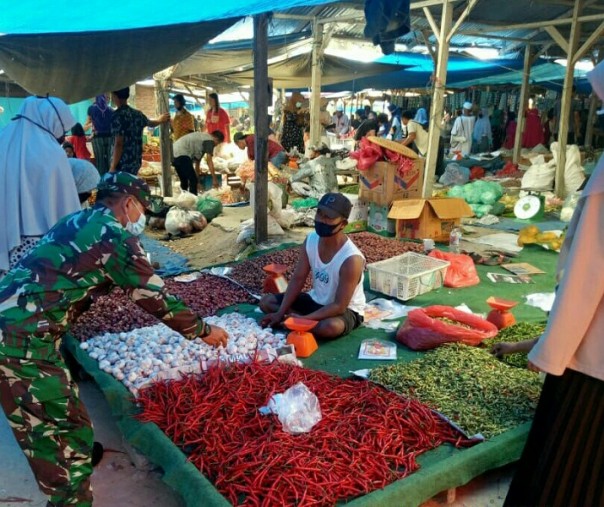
{"points": [[99, 118], [86, 178], [421, 117], [36, 184], [396, 127], [562, 461], [483, 135]]}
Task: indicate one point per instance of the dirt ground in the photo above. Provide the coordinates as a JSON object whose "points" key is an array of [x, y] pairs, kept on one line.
{"points": [[217, 243]]}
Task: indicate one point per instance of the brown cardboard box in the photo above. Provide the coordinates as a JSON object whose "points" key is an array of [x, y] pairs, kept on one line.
{"points": [[428, 218], [381, 184]]}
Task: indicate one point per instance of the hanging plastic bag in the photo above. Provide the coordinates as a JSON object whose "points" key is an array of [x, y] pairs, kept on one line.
{"points": [[461, 272], [297, 408], [427, 328]]}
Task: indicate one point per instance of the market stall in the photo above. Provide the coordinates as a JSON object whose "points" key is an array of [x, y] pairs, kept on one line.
{"points": [[440, 468]]}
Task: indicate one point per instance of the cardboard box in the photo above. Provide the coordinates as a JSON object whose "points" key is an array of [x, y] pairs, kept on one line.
{"points": [[382, 184], [428, 218], [378, 221], [359, 214]]}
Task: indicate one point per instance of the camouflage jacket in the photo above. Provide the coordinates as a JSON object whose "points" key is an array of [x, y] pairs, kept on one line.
{"points": [[85, 254]]}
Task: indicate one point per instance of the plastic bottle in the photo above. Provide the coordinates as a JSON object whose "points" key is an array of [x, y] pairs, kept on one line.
{"points": [[454, 240]]}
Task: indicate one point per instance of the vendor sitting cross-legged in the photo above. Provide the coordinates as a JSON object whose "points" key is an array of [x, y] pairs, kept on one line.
{"points": [[337, 300]]}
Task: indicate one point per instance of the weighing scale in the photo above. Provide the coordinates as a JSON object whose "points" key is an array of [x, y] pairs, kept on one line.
{"points": [[500, 314], [303, 341], [275, 282], [530, 207]]}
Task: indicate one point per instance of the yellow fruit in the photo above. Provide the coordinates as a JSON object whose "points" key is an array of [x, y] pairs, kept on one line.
{"points": [[531, 230]]}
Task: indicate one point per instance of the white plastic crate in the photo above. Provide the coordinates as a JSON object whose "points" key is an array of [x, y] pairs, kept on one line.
{"points": [[408, 275]]}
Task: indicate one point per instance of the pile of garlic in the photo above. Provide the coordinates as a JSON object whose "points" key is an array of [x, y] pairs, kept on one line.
{"points": [[137, 356]]}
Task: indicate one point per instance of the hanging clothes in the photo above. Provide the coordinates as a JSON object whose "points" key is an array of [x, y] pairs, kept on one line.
{"points": [[533, 131], [483, 136]]}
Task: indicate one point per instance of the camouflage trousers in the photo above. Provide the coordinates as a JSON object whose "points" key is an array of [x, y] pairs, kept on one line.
{"points": [[51, 425]]}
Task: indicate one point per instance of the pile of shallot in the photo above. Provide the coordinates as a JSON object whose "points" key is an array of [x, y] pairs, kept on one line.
{"points": [[138, 356]]}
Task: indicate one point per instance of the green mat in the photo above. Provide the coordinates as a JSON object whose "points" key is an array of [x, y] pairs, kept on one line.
{"points": [[441, 468]]}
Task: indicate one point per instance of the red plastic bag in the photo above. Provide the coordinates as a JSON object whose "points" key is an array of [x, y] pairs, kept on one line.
{"points": [[461, 272], [425, 330], [477, 173], [367, 154]]}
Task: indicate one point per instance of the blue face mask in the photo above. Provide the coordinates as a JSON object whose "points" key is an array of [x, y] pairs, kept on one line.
{"points": [[325, 230]]}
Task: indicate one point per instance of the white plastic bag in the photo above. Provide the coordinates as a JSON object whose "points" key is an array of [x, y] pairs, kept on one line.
{"points": [[180, 221], [569, 206], [540, 175], [246, 231], [186, 200], [297, 408], [275, 198], [573, 172]]}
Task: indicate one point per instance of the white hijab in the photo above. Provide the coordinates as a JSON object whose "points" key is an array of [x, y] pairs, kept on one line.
{"points": [[36, 184], [85, 175]]}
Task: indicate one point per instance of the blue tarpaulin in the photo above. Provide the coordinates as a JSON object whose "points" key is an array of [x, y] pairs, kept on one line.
{"points": [[76, 52], [60, 16]]}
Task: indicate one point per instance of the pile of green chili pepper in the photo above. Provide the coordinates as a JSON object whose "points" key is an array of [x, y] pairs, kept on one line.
{"points": [[469, 386], [514, 334], [350, 189]]}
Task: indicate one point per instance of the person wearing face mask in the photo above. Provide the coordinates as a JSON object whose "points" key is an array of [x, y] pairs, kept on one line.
{"points": [[86, 253], [36, 185], [337, 300], [183, 122]]}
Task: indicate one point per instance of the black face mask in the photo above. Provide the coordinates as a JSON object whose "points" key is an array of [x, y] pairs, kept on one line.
{"points": [[325, 230]]}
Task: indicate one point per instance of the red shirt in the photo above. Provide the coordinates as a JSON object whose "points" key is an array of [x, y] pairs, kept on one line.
{"points": [[79, 147], [273, 147], [219, 121]]}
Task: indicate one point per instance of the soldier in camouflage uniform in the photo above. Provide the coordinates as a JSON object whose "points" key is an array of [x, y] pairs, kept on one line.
{"points": [[85, 254]]}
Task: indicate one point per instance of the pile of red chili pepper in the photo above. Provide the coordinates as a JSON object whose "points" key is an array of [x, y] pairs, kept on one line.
{"points": [[368, 436]]}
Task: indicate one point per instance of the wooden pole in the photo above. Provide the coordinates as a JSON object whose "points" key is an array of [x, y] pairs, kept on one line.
{"points": [[261, 102], [523, 103], [438, 98], [315, 98], [165, 143], [567, 99]]}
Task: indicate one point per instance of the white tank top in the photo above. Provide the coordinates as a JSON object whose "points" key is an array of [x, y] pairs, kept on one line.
{"points": [[326, 277]]}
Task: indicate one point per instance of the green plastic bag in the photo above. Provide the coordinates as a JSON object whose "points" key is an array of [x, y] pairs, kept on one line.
{"points": [[209, 208], [303, 204]]}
